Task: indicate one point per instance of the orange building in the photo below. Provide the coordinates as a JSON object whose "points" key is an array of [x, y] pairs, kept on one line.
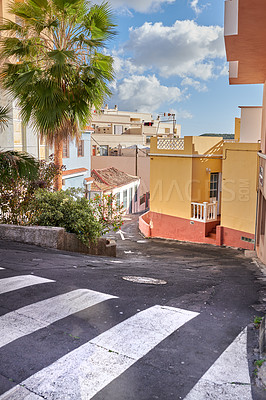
{"points": [[245, 41]]}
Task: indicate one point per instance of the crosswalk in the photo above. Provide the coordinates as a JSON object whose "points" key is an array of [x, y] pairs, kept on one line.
{"points": [[91, 367], [29, 319], [19, 282]]}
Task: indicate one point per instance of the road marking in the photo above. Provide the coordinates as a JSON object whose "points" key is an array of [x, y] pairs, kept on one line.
{"points": [[228, 378], [121, 234], [19, 282], [29, 319], [2, 268], [82, 373]]}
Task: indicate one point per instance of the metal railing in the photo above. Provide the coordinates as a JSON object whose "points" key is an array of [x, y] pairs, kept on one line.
{"points": [[170, 144], [204, 212]]}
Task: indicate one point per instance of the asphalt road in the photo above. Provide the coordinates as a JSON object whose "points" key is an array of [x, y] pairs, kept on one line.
{"points": [[72, 326]]}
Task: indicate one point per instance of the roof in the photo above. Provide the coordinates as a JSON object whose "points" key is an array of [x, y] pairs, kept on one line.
{"points": [[110, 178], [74, 171], [88, 129], [89, 180]]}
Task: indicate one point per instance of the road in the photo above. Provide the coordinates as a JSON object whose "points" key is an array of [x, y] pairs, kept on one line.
{"points": [[81, 327]]}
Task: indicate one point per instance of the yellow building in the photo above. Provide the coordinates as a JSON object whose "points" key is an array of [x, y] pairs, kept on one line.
{"points": [[203, 189]]}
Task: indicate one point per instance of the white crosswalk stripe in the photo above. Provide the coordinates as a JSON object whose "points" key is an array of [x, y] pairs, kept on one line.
{"points": [[19, 282], [228, 378], [29, 319], [1, 268], [85, 371]]}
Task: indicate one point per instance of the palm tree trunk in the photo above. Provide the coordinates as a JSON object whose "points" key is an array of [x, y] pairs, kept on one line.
{"points": [[58, 160]]}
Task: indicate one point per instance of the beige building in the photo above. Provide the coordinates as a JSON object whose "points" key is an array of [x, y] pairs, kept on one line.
{"points": [[17, 136], [116, 129]]}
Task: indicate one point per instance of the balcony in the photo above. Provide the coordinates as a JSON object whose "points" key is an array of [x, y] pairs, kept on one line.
{"points": [[204, 212], [170, 144]]}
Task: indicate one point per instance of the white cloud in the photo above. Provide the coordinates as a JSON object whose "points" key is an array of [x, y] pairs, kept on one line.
{"points": [[194, 4], [137, 5], [181, 114], [125, 66], [200, 87], [182, 49], [144, 93], [224, 70]]}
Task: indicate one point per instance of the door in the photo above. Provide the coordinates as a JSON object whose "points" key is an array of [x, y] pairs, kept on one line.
{"points": [[215, 189]]}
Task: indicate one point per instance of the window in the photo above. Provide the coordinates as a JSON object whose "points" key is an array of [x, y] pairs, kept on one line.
{"points": [[104, 150], [118, 129], [81, 148], [125, 199], [130, 200], [214, 184], [142, 200], [42, 149], [66, 149], [118, 199], [136, 193]]}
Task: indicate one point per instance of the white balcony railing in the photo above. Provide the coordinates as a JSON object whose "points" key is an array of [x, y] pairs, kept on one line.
{"points": [[204, 212], [170, 144]]}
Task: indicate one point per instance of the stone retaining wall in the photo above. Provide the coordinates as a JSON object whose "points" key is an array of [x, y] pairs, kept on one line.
{"points": [[55, 238]]}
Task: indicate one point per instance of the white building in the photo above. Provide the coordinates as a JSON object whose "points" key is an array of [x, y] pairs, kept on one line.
{"points": [[123, 186]]}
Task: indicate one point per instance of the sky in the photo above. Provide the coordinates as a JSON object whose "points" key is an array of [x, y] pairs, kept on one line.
{"points": [[169, 56]]}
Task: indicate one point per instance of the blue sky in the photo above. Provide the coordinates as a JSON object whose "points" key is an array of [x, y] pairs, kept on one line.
{"points": [[169, 56]]}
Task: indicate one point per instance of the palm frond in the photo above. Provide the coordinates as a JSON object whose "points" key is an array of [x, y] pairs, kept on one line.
{"points": [[4, 117], [14, 164], [52, 62]]}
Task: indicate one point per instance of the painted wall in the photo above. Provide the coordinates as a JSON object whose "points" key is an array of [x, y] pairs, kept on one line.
{"points": [[133, 205], [74, 162], [116, 140], [239, 186], [250, 129], [177, 177], [237, 128], [203, 167]]}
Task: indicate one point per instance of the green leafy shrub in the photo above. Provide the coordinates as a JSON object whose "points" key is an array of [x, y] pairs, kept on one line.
{"points": [[17, 189], [66, 209]]}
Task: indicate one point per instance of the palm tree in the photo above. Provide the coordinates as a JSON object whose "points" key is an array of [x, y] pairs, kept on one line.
{"points": [[4, 117], [53, 64], [14, 164]]}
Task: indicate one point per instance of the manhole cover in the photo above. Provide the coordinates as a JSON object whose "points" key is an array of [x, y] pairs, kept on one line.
{"points": [[142, 279]]}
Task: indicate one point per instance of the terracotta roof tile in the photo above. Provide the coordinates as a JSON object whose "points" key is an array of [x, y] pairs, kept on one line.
{"points": [[109, 178]]}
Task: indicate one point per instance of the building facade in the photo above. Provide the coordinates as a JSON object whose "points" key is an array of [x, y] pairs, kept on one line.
{"points": [[203, 190], [116, 129], [123, 186], [245, 42], [77, 161]]}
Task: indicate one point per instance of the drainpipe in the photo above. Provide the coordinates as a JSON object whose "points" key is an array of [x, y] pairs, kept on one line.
{"points": [[256, 219]]}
